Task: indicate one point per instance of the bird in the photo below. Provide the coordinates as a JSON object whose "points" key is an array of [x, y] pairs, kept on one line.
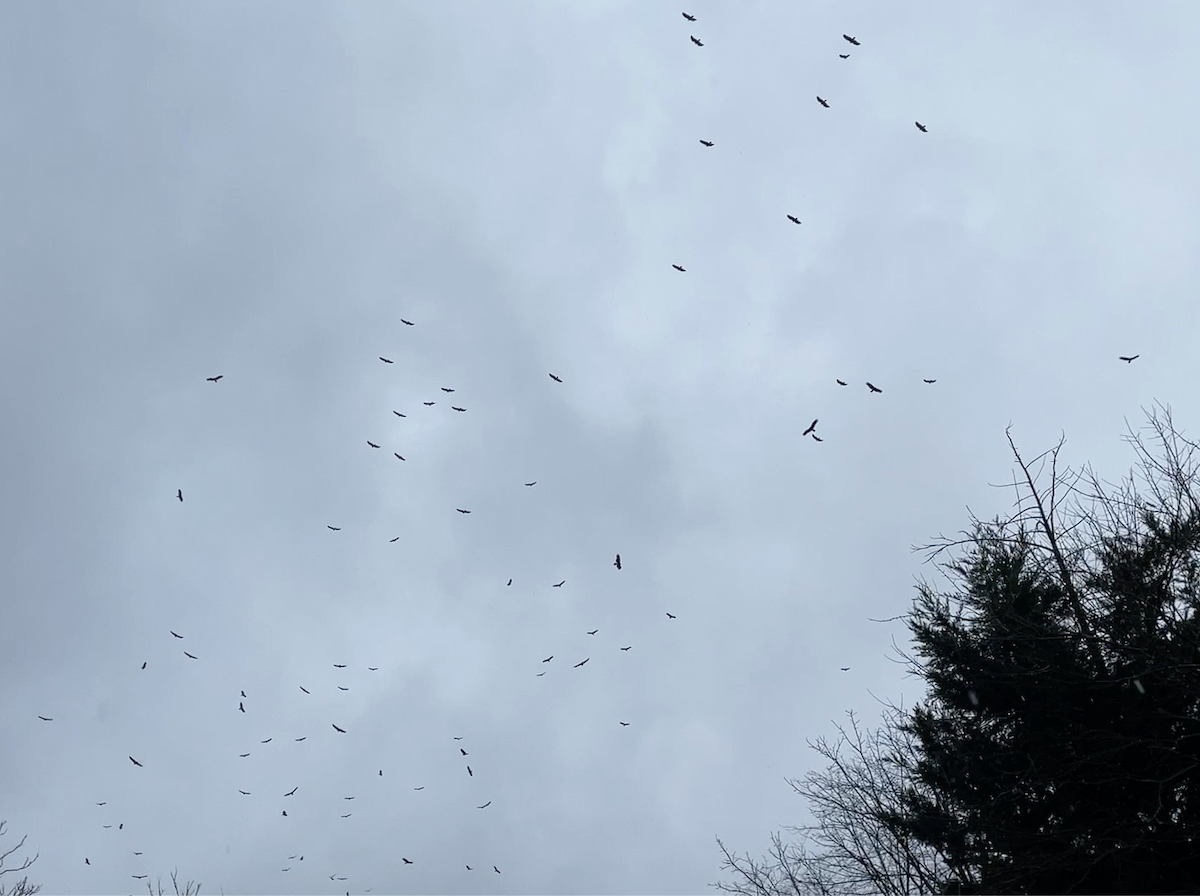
{"points": [[841, 382], [617, 562], [339, 730], [176, 634], [372, 444], [874, 388], [394, 540], [188, 655], [852, 40], [468, 867], [444, 389], [243, 755], [531, 484], [697, 41], [1128, 359], [822, 102], [267, 741], [811, 427], [460, 410], [303, 688], [135, 762], [340, 688], [347, 797], [301, 738], [406, 861], [485, 805], [843, 55], [137, 853], [401, 458], [106, 826], [241, 706], [385, 360], [706, 142], [243, 693], [921, 127], [540, 674], [105, 803], [409, 322], [560, 584], [509, 583], [422, 787], [428, 404], [458, 738], [630, 647], [626, 724], [845, 668], [45, 719], [689, 18], [244, 792], [678, 268], [347, 815], [86, 861], [817, 438], [139, 876], [548, 659], [494, 868], [339, 665], [593, 631], [669, 616], [469, 772], [179, 495], [372, 668], [334, 528], [555, 378], [293, 790], [461, 750], [577, 665], [143, 665], [214, 379], [460, 510], [793, 219], [398, 414], [285, 813]]}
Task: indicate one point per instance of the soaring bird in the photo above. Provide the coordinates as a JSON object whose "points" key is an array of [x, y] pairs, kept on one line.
{"points": [[422, 787], [845, 668], [689, 18], [540, 674], [409, 322], [555, 378], [372, 444], [817, 438], [179, 495], [285, 813], [372, 668], [340, 688], [339, 665], [707, 142], [398, 414], [678, 268], [293, 790], [428, 404], [176, 634], [929, 381], [139, 876], [793, 219], [339, 730], [444, 389], [334, 528], [468, 867], [840, 382], [243, 755], [509, 583], [697, 41], [45, 719], [548, 659], [843, 55], [401, 458], [461, 750], [105, 803], [243, 694], [106, 826], [531, 484], [267, 741], [303, 688], [406, 861], [626, 724], [385, 360], [460, 510], [394, 540], [485, 805], [137, 853], [347, 815], [560, 584], [822, 102], [143, 665], [460, 410], [577, 665], [135, 762], [244, 792], [874, 388], [347, 797], [630, 647], [214, 379], [494, 868], [617, 562], [86, 861], [188, 655], [469, 772], [811, 427], [921, 127], [669, 616], [241, 706], [593, 631], [1128, 359], [852, 40], [301, 738]]}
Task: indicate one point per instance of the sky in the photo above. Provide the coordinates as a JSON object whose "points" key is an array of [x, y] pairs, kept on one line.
{"points": [[264, 191]]}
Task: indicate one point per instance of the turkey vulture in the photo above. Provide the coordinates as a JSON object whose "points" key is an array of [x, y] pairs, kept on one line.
{"points": [[401, 458], [86, 861], [139, 876], [593, 631], [494, 868], [213, 379], [347, 797], [384, 360], [179, 495], [303, 688], [45, 719], [811, 427], [617, 562], [188, 655], [921, 127], [241, 706], [485, 805], [458, 738], [301, 738], [577, 665], [669, 616], [707, 142], [509, 583], [548, 659], [840, 382], [137, 853], [817, 438], [372, 668], [406, 861], [461, 750], [468, 867], [444, 389], [339, 665], [531, 484], [460, 410], [852, 40], [822, 102], [334, 528], [105, 803], [555, 378], [293, 790], [843, 55], [845, 668], [267, 741], [347, 815], [689, 18], [874, 388], [630, 647], [422, 787], [460, 510], [176, 635], [409, 322], [929, 381], [678, 268], [340, 688], [243, 694], [244, 792], [697, 41], [469, 772], [372, 444], [243, 755], [560, 584], [143, 665], [135, 762], [285, 813], [1128, 359], [540, 674], [428, 404], [626, 724], [339, 730], [398, 414], [793, 219], [106, 826], [394, 540]]}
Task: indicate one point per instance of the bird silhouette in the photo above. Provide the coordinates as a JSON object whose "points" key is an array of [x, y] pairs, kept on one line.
{"points": [[707, 142], [243, 755], [340, 688], [394, 540], [293, 790], [689, 18], [793, 219], [921, 127], [678, 268], [697, 41], [139, 876], [243, 694], [137, 853], [494, 868], [593, 631], [244, 792], [135, 762], [811, 427], [215, 379], [86, 861], [303, 688], [669, 616], [461, 410], [445, 389], [468, 867], [385, 360], [1128, 359], [560, 584], [241, 706], [540, 674], [339, 730], [822, 102], [548, 659], [301, 738], [188, 655], [555, 378], [874, 388], [347, 797], [105, 803], [372, 668], [267, 741], [577, 665], [334, 528], [422, 787], [626, 724], [372, 444], [929, 381], [285, 813], [401, 458], [398, 414], [469, 772], [630, 647], [461, 750], [460, 510], [617, 562], [179, 495], [176, 634], [45, 719], [841, 382], [428, 404], [143, 665], [409, 322], [509, 583], [406, 861], [339, 665], [347, 815], [843, 55], [852, 40], [106, 826], [845, 668], [485, 805], [817, 438]]}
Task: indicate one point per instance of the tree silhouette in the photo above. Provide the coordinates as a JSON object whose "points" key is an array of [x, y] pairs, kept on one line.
{"points": [[22, 887]]}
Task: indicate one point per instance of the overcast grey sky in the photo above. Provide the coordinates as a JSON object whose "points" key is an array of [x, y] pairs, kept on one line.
{"points": [[263, 190]]}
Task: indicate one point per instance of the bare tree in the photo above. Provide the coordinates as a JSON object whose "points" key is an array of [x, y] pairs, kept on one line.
{"points": [[191, 888], [22, 887]]}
